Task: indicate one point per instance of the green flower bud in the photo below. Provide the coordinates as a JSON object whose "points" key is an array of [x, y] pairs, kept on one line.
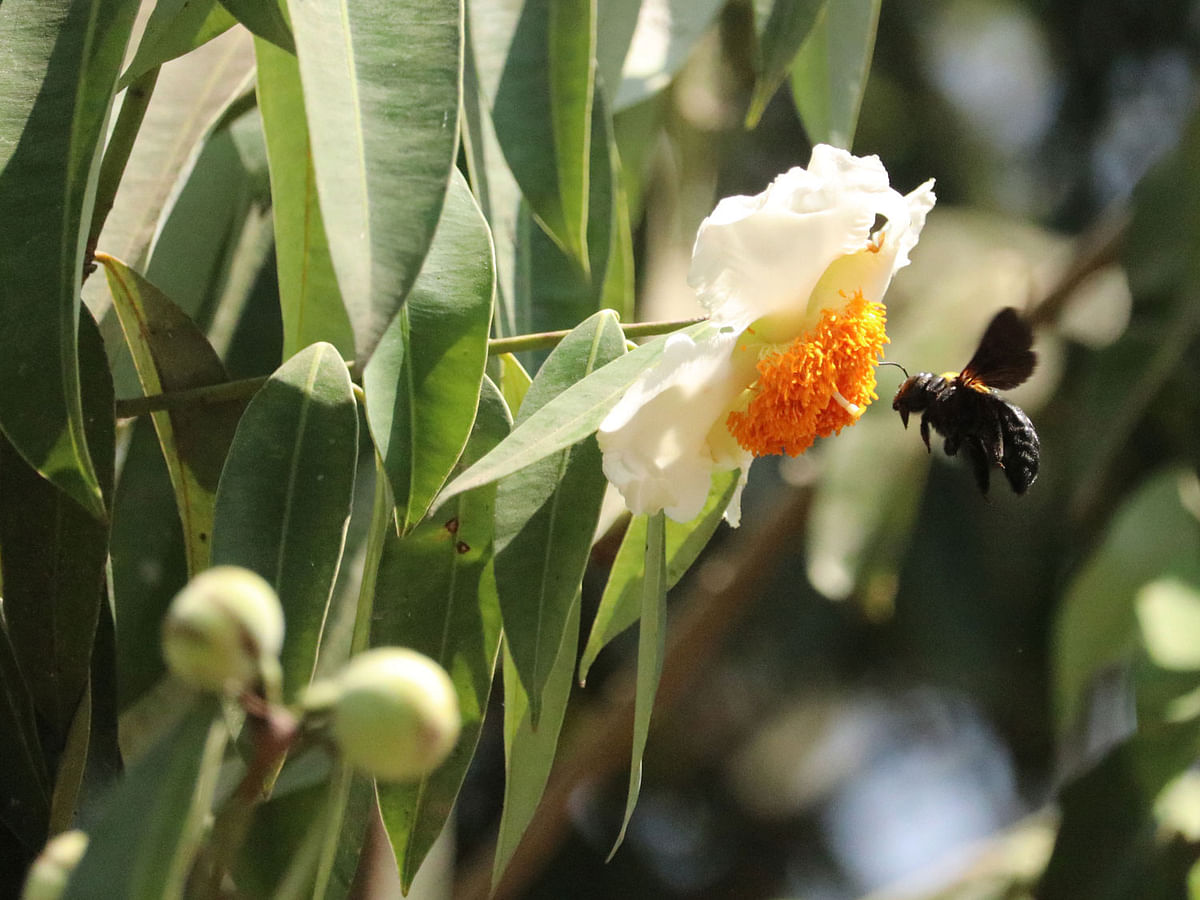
{"points": [[50, 872], [224, 631], [395, 713]]}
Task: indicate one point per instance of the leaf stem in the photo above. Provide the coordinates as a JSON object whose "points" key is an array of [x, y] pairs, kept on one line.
{"points": [[247, 387]]}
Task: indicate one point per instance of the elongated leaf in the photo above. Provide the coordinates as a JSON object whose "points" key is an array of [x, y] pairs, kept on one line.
{"points": [[53, 559], [61, 61], [23, 777], [381, 87], [285, 495], [514, 382], [567, 419], [829, 75], [781, 27], [436, 593], [666, 33], [145, 838], [546, 516], [176, 27], [264, 18], [534, 60], [422, 384], [616, 21], [621, 603], [652, 644], [171, 354], [528, 751], [309, 300]]}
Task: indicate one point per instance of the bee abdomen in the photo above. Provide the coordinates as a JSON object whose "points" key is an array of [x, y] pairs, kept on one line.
{"points": [[1022, 448]]}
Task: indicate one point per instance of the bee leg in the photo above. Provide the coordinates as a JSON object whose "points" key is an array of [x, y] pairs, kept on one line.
{"points": [[979, 463], [925, 431], [953, 442]]}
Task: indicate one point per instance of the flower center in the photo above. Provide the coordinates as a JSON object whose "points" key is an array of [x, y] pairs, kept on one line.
{"points": [[815, 386]]}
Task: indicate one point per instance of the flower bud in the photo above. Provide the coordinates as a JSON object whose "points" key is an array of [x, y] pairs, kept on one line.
{"points": [[224, 630], [395, 713], [50, 872]]}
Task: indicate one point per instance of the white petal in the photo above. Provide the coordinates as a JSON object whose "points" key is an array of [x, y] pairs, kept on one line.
{"points": [[656, 440]]}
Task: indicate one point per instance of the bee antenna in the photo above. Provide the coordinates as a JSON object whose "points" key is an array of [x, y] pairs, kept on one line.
{"points": [[887, 362]]}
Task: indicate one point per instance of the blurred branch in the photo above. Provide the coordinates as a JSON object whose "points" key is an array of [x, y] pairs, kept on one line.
{"points": [[597, 747], [1095, 249]]}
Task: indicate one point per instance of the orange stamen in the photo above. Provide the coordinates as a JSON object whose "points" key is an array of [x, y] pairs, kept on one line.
{"points": [[794, 401]]}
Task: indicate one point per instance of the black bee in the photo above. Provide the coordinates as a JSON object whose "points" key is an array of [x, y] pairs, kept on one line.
{"points": [[966, 410]]}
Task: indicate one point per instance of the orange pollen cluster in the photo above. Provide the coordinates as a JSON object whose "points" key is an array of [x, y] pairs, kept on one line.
{"points": [[815, 386]]}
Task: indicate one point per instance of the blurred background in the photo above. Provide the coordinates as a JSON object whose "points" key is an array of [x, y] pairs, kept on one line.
{"points": [[884, 684]]}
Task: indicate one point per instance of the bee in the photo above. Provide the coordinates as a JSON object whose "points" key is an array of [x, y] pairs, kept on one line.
{"points": [[966, 410]]}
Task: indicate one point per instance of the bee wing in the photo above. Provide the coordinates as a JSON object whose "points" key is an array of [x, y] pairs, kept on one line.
{"points": [[1004, 357]]}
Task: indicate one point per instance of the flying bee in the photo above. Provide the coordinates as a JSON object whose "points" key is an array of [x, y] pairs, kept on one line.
{"points": [[966, 410]]}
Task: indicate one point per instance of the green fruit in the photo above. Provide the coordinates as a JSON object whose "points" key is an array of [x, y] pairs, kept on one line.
{"points": [[224, 630]]}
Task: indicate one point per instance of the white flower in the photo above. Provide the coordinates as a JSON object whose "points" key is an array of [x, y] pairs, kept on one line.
{"points": [[793, 280]]}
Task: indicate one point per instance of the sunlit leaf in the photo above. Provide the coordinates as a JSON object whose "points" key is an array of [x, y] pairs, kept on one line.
{"points": [[381, 89], [546, 516], [781, 27], [176, 27], [621, 603], [61, 61], [829, 74], [285, 495], [652, 646], [264, 18], [309, 300], [666, 33], [422, 384], [436, 593], [171, 354]]}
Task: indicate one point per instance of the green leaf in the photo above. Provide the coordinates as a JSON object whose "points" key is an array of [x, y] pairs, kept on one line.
{"points": [[61, 61], [781, 27], [146, 836], [436, 593], [53, 559], [172, 354], [528, 751], [829, 74], [23, 777], [1152, 536], [422, 384], [176, 27], [514, 381], [621, 603], [381, 87], [535, 64], [567, 419], [652, 646], [662, 42], [309, 300], [264, 18], [546, 516], [285, 495], [616, 21]]}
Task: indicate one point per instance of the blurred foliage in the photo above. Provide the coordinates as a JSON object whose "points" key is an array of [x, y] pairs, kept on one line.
{"points": [[881, 685]]}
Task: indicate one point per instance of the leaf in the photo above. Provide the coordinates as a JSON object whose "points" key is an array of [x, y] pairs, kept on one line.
{"points": [[61, 60], [172, 354], [23, 777], [265, 19], [53, 559], [528, 751], [652, 645], [436, 593], [1150, 537], [546, 516], [567, 419], [175, 27], [514, 381], [309, 300], [666, 33], [144, 840], [781, 27], [621, 603], [422, 384], [534, 61], [284, 498], [829, 74], [381, 88]]}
